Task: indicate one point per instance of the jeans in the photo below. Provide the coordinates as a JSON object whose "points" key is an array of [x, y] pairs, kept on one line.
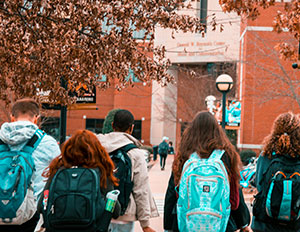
{"points": [[163, 161], [115, 227]]}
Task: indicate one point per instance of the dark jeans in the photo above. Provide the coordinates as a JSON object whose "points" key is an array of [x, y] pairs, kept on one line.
{"points": [[28, 226], [163, 160]]}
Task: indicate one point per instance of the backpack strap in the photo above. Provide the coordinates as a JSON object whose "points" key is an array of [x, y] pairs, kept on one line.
{"points": [[35, 140], [128, 147], [3, 146], [217, 154]]}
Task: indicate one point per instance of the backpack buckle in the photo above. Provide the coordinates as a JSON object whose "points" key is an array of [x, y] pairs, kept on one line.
{"points": [[14, 160]]}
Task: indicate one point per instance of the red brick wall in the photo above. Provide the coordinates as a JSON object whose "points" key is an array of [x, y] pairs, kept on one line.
{"points": [[259, 112]]}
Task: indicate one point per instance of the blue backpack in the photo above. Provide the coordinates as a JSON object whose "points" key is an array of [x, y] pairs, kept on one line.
{"points": [[17, 203], [204, 192]]}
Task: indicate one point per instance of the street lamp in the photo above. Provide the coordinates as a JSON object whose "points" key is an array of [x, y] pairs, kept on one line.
{"points": [[224, 84]]}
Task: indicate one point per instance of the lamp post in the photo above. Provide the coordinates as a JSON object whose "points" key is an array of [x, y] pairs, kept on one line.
{"points": [[224, 84]]}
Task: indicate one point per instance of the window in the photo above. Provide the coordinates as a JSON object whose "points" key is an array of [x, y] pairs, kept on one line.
{"points": [[51, 126], [95, 125], [203, 12], [137, 130]]}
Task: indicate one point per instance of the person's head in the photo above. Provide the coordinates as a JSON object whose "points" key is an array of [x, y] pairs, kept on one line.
{"points": [[170, 143], [165, 138], [83, 149], [25, 109], [284, 138], [203, 135], [123, 121]]}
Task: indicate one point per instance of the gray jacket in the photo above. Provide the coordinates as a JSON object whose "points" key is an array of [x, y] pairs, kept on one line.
{"points": [[141, 205]]}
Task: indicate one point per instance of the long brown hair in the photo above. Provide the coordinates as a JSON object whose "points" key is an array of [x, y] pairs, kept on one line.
{"points": [[284, 138], [203, 135], [83, 149]]}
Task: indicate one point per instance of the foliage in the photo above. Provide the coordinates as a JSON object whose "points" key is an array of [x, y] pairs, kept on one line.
{"points": [[289, 18], [85, 42], [107, 127], [246, 155]]}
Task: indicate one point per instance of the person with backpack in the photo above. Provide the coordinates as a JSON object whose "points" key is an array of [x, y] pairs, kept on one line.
{"points": [[25, 151], [79, 180], [206, 173], [239, 219], [139, 203], [163, 150], [277, 205]]}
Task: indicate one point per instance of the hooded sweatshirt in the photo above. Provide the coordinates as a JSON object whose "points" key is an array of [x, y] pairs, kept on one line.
{"points": [[141, 205], [16, 134]]}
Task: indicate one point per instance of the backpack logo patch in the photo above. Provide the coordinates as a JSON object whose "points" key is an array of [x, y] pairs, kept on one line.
{"points": [[5, 202], [206, 188]]}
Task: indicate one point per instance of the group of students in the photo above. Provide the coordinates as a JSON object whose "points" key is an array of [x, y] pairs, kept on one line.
{"points": [[70, 187]]}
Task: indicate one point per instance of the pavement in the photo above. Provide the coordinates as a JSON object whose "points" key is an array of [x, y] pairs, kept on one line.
{"points": [[158, 180]]}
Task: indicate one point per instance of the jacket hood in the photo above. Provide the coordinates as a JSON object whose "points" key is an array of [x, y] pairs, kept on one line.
{"points": [[115, 140], [15, 133]]}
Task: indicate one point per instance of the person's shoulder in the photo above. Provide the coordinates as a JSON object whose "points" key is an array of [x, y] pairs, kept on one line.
{"points": [[49, 146]]}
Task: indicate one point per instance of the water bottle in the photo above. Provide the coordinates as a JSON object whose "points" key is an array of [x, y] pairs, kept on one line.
{"points": [[112, 198]]}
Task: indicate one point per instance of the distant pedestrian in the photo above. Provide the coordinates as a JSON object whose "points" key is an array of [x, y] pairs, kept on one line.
{"points": [[141, 204], [276, 206], [206, 169], [171, 148], [22, 134], [155, 152], [163, 149], [83, 170]]}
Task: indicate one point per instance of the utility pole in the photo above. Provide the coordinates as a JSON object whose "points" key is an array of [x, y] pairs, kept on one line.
{"points": [[63, 117]]}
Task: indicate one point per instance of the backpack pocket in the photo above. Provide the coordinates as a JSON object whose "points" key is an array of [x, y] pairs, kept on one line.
{"points": [[71, 211], [203, 220]]}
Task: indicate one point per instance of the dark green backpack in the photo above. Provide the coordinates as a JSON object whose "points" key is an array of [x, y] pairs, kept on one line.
{"points": [[74, 202]]}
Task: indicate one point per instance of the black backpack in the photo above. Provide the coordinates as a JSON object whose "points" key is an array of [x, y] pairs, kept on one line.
{"points": [[74, 202], [123, 173], [279, 200]]}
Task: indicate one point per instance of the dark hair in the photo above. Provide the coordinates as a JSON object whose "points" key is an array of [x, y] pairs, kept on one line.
{"points": [[123, 120], [25, 106], [171, 143], [203, 135], [284, 138], [84, 149]]}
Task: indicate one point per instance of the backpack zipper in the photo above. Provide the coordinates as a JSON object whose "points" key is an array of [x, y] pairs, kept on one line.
{"points": [[204, 212]]}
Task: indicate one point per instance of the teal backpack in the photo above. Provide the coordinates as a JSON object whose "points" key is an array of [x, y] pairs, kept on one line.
{"points": [[17, 204], [204, 192]]}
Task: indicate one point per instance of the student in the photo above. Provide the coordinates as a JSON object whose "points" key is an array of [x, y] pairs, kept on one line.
{"points": [[171, 148], [199, 141], [279, 159], [141, 205], [24, 117], [163, 149], [83, 150]]}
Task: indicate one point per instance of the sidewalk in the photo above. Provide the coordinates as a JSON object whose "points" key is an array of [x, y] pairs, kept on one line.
{"points": [[158, 184]]}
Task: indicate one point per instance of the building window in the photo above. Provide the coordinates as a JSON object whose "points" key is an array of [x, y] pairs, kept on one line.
{"points": [[137, 130], [51, 126], [203, 12], [94, 124]]}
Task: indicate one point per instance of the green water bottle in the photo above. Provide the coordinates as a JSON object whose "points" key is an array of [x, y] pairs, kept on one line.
{"points": [[112, 198]]}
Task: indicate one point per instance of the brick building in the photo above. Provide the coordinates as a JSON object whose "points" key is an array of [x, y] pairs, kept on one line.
{"points": [[267, 84]]}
